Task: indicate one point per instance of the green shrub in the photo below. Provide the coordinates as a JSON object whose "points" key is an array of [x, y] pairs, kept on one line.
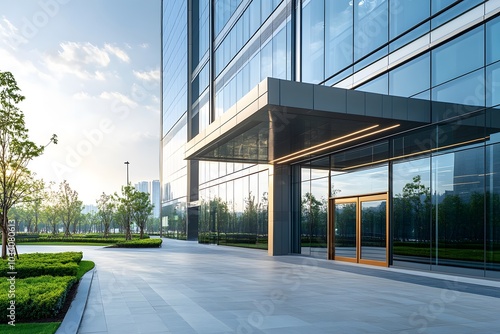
{"points": [[36, 297], [38, 264], [140, 243]]}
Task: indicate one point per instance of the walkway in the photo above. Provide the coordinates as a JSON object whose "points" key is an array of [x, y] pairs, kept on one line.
{"points": [[189, 288]]}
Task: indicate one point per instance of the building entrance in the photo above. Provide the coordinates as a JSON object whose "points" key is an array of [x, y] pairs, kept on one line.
{"points": [[358, 229]]}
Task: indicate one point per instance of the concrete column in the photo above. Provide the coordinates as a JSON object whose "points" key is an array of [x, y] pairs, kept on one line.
{"points": [[279, 210]]}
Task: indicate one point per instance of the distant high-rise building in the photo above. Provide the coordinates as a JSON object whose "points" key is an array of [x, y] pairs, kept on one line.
{"points": [[89, 208], [155, 197], [143, 186]]}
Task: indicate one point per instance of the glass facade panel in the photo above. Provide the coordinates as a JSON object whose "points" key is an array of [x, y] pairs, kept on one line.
{"points": [[492, 44], [467, 92], [345, 230], [411, 202], [373, 230], [411, 78], [378, 85], [404, 14], [313, 38], [201, 29], [338, 36], [493, 207], [373, 180], [458, 199], [371, 27], [174, 64], [460, 56], [493, 85]]}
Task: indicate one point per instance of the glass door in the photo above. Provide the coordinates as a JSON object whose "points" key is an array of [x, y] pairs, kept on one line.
{"points": [[358, 229]]}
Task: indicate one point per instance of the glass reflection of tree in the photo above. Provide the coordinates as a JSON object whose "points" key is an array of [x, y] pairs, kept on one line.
{"points": [[314, 213], [345, 225], [262, 218], [412, 211], [250, 214]]}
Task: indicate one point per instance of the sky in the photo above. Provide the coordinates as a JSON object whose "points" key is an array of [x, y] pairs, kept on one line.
{"points": [[90, 72]]}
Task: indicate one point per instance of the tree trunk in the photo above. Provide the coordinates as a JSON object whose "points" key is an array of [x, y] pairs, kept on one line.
{"points": [[4, 235]]}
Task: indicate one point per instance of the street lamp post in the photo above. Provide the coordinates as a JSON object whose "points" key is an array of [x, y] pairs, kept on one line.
{"points": [[127, 163]]}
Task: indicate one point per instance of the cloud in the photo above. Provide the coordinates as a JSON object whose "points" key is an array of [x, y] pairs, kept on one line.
{"points": [[144, 45], [122, 55], [118, 97], [9, 34], [153, 75], [83, 53], [84, 60], [81, 96]]}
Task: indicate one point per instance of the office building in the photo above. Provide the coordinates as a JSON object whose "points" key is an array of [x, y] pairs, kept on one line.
{"points": [[364, 131]]}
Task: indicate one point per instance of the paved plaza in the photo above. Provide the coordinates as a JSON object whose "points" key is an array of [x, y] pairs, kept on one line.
{"points": [[187, 288]]}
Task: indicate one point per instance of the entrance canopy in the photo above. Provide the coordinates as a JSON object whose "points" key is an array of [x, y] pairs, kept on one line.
{"points": [[280, 121]]}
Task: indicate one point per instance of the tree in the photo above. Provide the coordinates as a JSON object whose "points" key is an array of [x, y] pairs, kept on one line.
{"points": [[34, 203], [107, 207], [124, 208], [16, 151], [141, 209], [69, 206], [50, 209]]}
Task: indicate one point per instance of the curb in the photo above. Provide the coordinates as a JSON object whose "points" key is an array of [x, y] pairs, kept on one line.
{"points": [[73, 317]]}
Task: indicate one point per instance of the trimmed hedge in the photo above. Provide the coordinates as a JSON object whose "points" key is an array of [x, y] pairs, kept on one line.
{"points": [[38, 264], [61, 239], [36, 297], [141, 243]]}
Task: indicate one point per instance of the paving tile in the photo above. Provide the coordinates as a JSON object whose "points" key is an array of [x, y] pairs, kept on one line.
{"points": [[189, 288]]}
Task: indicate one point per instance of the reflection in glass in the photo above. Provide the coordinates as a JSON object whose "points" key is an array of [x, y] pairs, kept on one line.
{"points": [[411, 211], [370, 26], [405, 14], [460, 56], [338, 35], [458, 182], [492, 45], [493, 85], [368, 181], [313, 31], [419, 72], [493, 207], [345, 230], [373, 230]]}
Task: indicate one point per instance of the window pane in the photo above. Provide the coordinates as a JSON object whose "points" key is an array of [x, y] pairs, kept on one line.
{"points": [[377, 85], [467, 90], [493, 207], [492, 41], [406, 14], [462, 55], [493, 85], [411, 78], [318, 201], [266, 61], [279, 55], [411, 211], [370, 26], [458, 197], [313, 34], [438, 5], [339, 34]]}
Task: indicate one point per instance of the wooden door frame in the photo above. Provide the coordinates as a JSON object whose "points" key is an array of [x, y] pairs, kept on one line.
{"points": [[331, 227]]}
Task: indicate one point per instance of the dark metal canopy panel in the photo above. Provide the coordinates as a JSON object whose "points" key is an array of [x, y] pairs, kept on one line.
{"points": [[283, 121]]}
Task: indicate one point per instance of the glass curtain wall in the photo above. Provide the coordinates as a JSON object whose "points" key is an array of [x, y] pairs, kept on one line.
{"points": [[314, 208], [174, 119], [267, 55], [341, 37], [235, 212]]}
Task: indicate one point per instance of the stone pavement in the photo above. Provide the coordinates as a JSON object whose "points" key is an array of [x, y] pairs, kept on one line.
{"points": [[187, 288]]}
